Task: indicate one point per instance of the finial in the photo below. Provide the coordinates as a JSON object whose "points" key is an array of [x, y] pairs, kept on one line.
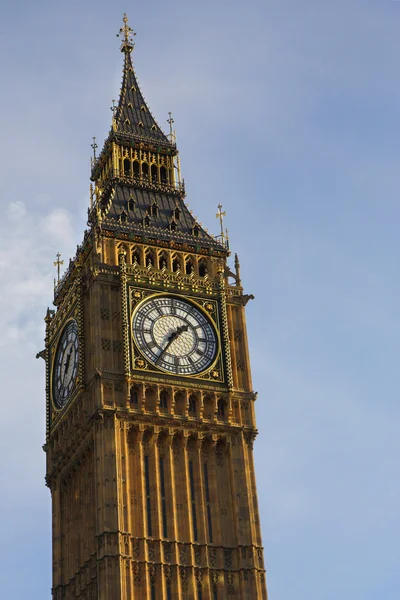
{"points": [[58, 264], [127, 33], [94, 146], [171, 121], [220, 215], [237, 269], [113, 107]]}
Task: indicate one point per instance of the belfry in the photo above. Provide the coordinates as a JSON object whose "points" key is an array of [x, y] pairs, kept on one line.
{"points": [[150, 407]]}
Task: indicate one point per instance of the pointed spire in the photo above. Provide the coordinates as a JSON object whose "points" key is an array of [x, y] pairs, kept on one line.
{"points": [[132, 116]]}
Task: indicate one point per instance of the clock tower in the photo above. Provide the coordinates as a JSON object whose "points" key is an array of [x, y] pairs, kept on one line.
{"points": [[150, 406]]}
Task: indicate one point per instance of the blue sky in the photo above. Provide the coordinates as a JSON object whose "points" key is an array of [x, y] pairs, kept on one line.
{"points": [[288, 114]]}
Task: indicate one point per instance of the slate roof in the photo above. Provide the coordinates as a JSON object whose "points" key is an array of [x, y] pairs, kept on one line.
{"points": [[119, 216], [132, 109]]}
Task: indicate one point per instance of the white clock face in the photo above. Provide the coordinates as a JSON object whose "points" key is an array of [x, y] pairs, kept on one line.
{"points": [[65, 365], [174, 335]]}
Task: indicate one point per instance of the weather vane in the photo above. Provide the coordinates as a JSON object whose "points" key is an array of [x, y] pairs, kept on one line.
{"points": [[57, 263], [127, 33]]}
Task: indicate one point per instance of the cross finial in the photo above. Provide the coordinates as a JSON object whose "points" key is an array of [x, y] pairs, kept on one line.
{"points": [[170, 121], [127, 34], [220, 215], [94, 146], [58, 264], [113, 107]]}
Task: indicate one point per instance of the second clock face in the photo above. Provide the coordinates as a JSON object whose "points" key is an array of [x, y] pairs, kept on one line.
{"points": [[65, 365], [174, 335]]}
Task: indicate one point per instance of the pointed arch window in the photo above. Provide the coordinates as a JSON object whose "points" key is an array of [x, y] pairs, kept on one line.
{"points": [[133, 89], [149, 257], [177, 213], [172, 226], [195, 231], [136, 256], [163, 175], [131, 204], [127, 122], [134, 396], [162, 261], [145, 170], [176, 264], [146, 221], [164, 399], [154, 174], [136, 168], [189, 265], [123, 217], [127, 167], [140, 124], [203, 268]]}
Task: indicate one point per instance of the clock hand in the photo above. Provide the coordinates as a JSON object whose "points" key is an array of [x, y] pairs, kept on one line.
{"points": [[174, 335], [66, 365]]}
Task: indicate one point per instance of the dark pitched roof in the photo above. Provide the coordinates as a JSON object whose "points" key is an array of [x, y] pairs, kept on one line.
{"points": [[120, 215], [133, 116]]}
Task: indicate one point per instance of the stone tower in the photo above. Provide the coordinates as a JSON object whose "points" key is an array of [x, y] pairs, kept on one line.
{"points": [[150, 407]]}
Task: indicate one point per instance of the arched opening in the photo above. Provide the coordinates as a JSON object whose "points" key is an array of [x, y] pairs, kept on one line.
{"points": [[131, 204], [145, 170], [202, 268], [189, 266], [195, 231], [163, 175], [127, 167], [177, 213], [176, 264], [134, 396], [123, 217], [154, 173], [136, 169], [149, 258], [162, 261], [146, 220], [164, 400], [135, 256]]}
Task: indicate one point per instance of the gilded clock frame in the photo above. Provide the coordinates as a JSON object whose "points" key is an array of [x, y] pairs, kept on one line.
{"points": [[139, 362]]}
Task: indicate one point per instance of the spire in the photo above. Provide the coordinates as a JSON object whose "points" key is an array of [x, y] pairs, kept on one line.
{"points": [[132, 117]]}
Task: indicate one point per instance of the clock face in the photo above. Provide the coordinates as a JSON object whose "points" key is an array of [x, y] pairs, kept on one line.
{"points": [[174, 335], [65, 365]]}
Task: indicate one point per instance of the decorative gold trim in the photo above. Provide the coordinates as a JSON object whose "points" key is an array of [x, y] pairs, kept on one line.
{"points": [[190, 300]]}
